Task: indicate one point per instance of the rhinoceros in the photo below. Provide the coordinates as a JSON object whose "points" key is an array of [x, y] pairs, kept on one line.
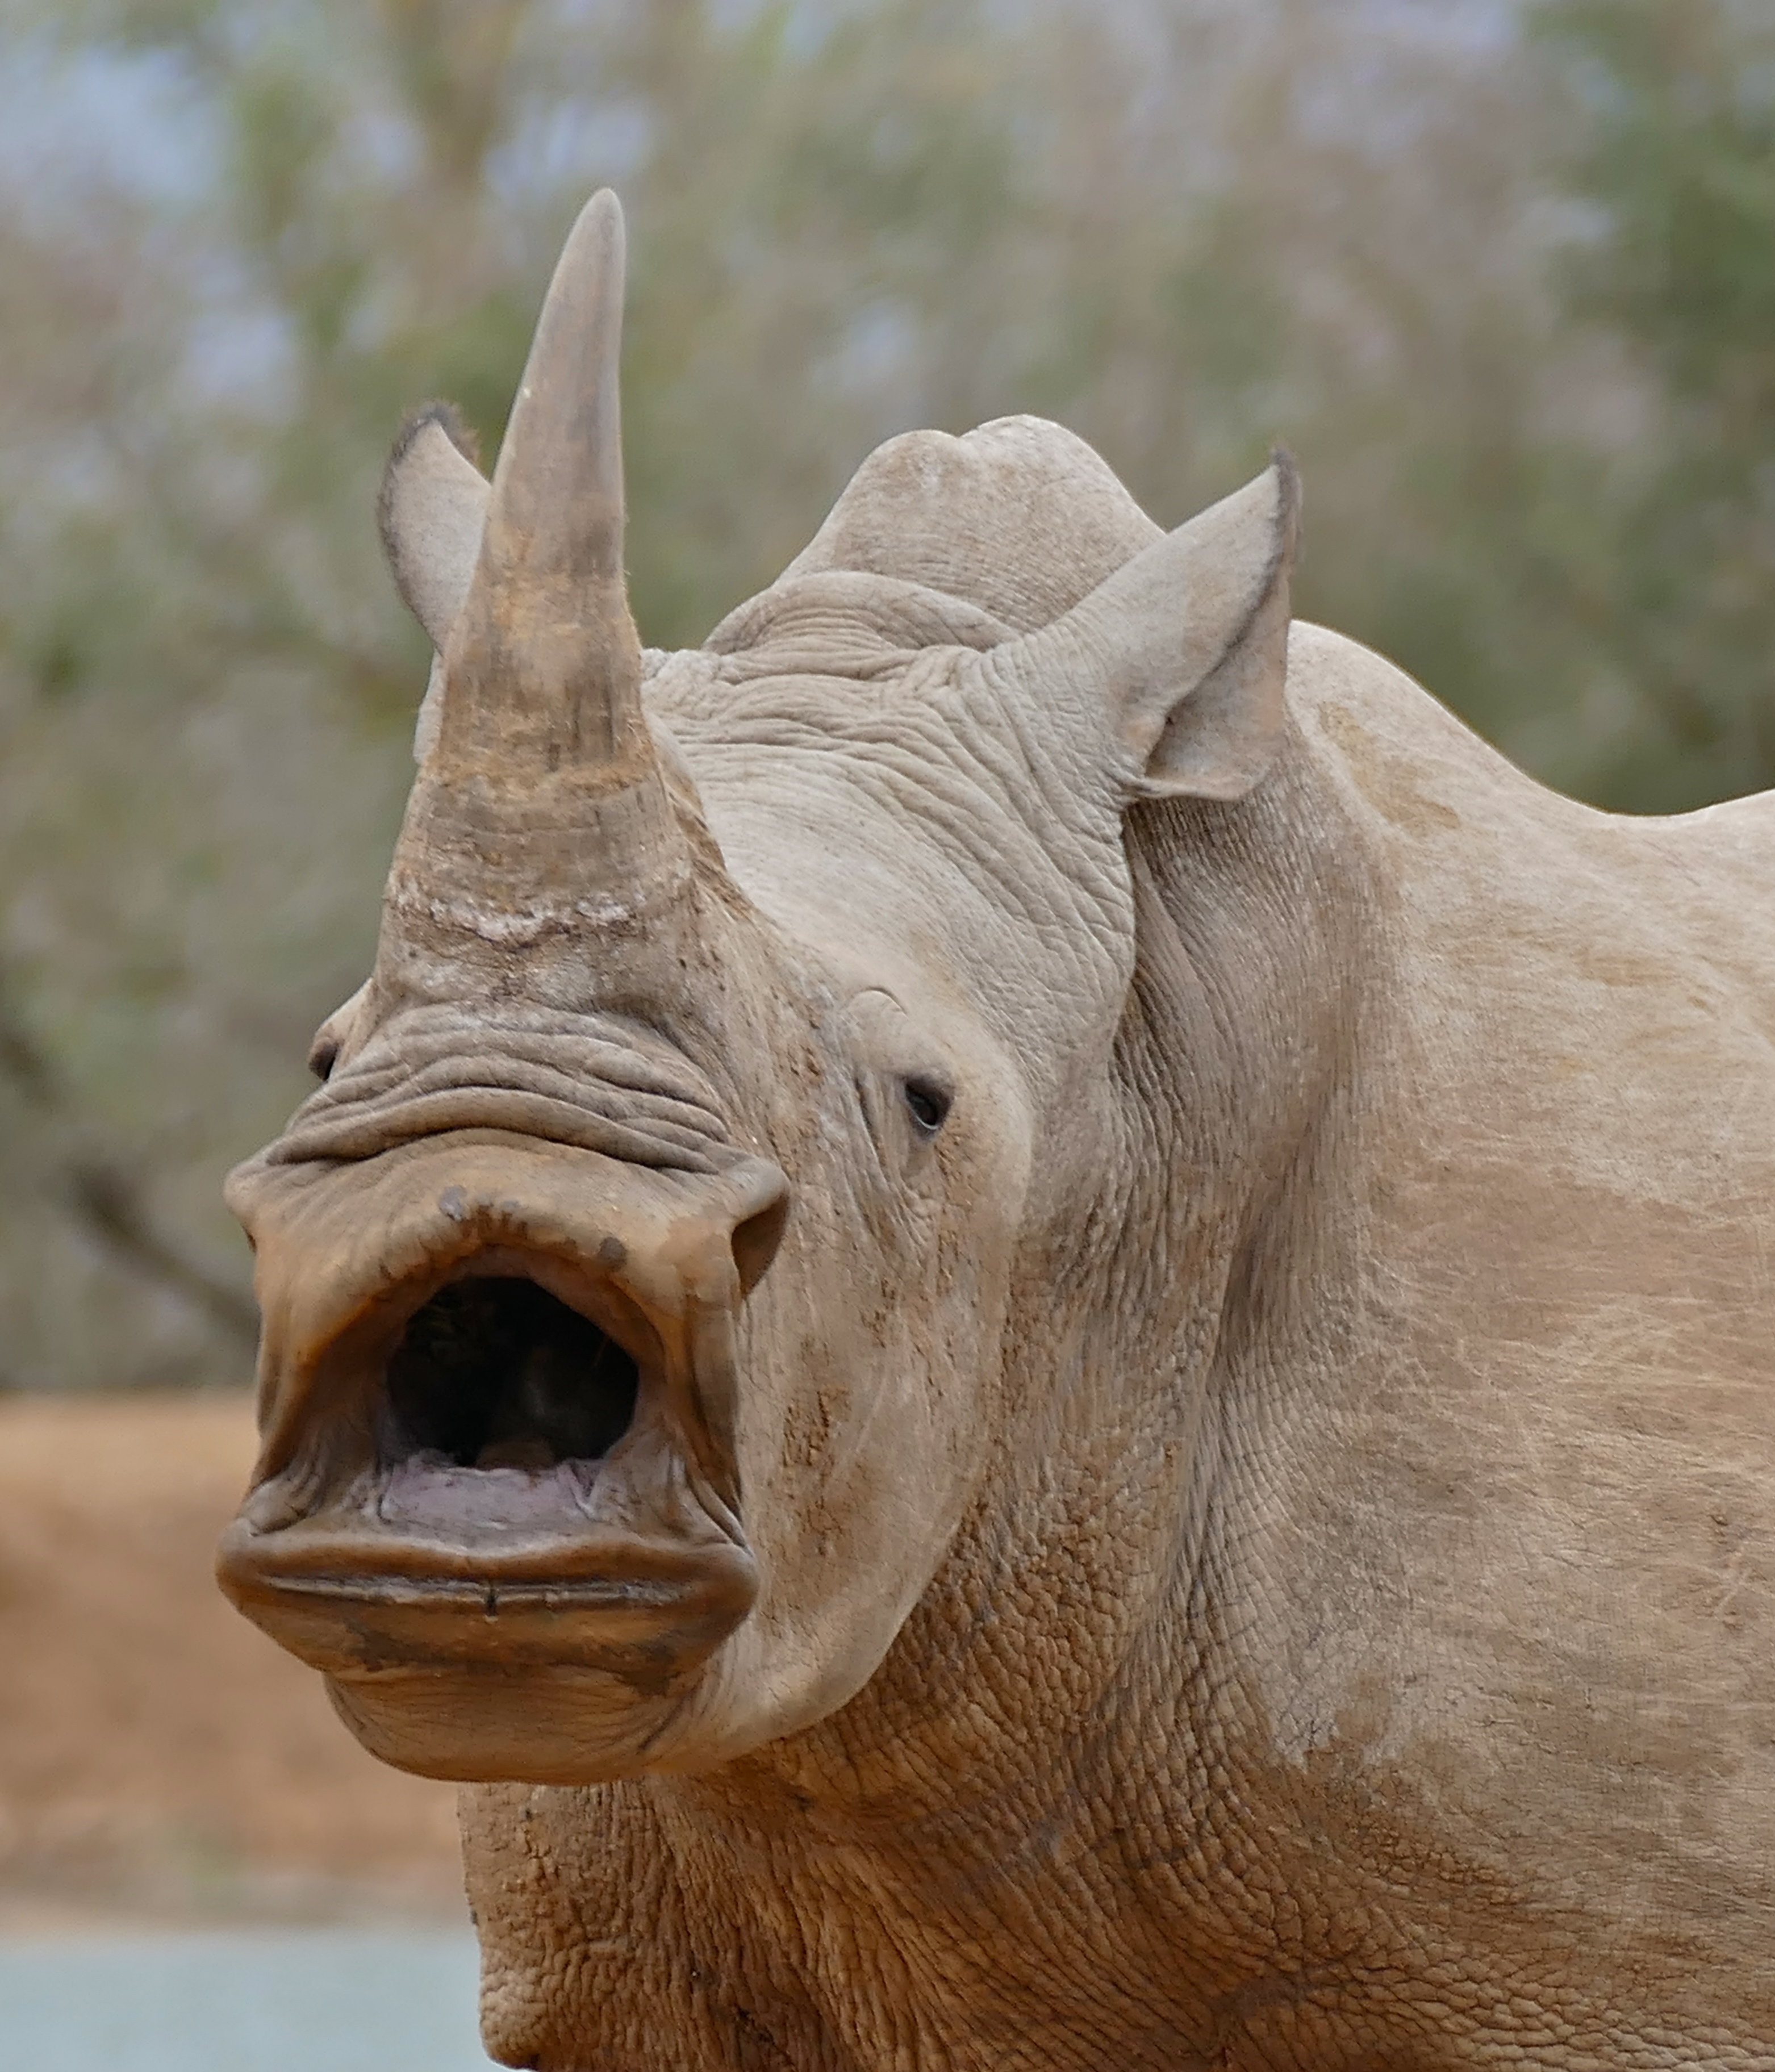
{"points": [[1034, 1321]]}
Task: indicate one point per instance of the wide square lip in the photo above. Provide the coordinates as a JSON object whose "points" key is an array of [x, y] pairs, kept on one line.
{"points": [[335, 1375], [352, 1604], [346, 1251], [664, 1574], [669, 1576]]}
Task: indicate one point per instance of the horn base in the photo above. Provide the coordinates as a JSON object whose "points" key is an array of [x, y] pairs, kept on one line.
{"points": [[510, 864]]}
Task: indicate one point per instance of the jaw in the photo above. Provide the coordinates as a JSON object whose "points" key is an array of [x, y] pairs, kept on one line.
{"points": [[555, 1726], [550, 1625], [498, 1506]]}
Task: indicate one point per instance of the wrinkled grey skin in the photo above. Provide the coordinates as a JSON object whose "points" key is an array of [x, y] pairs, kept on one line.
{"points": [[1266, 1518]]}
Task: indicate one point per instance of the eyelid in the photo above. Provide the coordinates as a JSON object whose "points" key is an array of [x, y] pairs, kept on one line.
{"points": [[926, 1090]]}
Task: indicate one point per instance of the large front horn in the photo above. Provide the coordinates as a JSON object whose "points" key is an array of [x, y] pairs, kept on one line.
{"points": [[542, 669], [541, 807]]}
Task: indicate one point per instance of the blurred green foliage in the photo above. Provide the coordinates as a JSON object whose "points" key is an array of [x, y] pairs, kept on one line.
{"points": [[1502, 276], [1673, 159]]}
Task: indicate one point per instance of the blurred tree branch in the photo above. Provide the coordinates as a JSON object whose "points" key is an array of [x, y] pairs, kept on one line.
{"points": [[106, 1198]]}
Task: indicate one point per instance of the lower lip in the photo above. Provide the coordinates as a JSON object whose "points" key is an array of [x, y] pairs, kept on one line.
{"points": [[372, 1602]]}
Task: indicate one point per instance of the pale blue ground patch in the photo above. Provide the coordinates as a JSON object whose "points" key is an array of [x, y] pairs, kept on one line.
{"points": [[333, 1999]]}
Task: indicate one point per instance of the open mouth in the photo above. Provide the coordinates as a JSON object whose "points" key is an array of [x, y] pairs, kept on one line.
{"points": [[497, 1479], [498, 1373], [495, 1415], [499, 1502]]}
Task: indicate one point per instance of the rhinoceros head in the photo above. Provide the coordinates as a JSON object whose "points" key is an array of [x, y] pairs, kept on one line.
{"points": [[683, 1234]]}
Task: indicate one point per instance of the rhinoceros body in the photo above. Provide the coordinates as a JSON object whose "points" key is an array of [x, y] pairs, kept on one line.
{"points": [[1035, 1320]]}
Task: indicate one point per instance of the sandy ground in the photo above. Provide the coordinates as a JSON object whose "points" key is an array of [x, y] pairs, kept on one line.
{"points": [[158, 1756]]}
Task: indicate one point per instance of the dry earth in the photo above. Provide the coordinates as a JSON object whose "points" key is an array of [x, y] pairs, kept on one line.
{"points": [[157, 1755]]}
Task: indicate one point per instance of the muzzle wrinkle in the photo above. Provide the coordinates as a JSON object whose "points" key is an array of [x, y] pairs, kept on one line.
{"points": [[552, 1078]]}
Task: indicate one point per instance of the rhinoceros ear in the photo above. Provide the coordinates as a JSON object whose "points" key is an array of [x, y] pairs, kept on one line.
{"points": [[431, 512], [1185, 646]]}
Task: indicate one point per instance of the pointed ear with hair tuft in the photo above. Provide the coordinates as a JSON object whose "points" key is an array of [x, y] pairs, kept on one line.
{"points": [[1184, 649], [430, 513]]}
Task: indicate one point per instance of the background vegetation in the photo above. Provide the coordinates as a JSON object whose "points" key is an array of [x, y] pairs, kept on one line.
{"points": [[1502, 275]]}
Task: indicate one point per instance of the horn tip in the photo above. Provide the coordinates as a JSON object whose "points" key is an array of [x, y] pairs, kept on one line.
{"points": [[602, 219]]}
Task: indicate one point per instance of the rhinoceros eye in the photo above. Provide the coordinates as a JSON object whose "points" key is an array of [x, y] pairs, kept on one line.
{"points": [[323, 1056], [930, 1101]]}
